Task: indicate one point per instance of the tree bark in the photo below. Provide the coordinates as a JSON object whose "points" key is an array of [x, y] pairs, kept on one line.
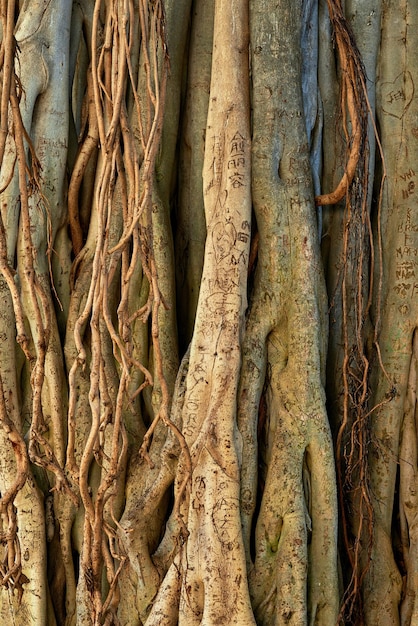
{"points": [[208, 353]]}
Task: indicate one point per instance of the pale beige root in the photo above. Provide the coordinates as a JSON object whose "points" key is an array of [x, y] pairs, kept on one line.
{"points": [[30, 224], [147, 503], [83, 178], [177, 16], [151, 473], [190, 217], [32, 608], [129, 232], [212, 562], [91, 458], [24, 593], [123, 234], [215, 542], [97, 442], [383, 589], [165, 609], [289, 582], [254, 365], [23, 554]]}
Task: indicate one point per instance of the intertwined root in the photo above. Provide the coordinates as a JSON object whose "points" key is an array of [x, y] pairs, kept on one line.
{"points": [[210, 498]]}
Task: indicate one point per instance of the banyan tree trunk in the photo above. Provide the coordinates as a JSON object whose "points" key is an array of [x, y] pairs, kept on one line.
{"points": [[208, 356]]}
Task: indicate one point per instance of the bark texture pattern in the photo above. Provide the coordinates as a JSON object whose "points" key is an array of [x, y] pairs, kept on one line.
{"points": [[208, 311]]}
